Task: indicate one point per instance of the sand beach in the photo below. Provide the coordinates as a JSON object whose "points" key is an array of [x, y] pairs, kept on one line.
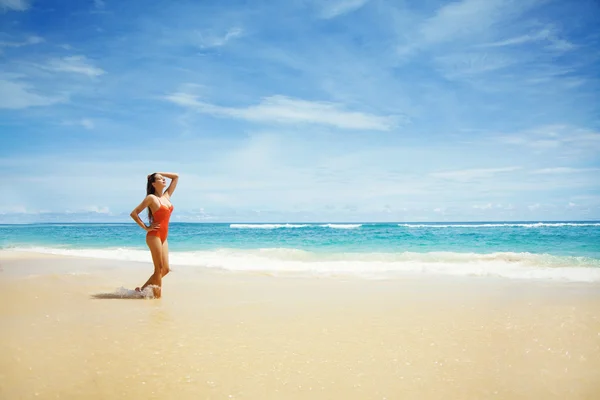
{"points": [[231, 335]]}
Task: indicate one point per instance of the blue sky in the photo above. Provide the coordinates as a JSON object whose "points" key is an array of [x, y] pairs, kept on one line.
{"points": [[302, 110]]}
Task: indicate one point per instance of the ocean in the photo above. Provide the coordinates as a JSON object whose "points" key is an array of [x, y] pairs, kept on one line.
{"points": [[557, 251]]}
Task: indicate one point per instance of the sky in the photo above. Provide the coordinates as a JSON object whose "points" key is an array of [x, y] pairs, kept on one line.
{"points": [[301, 110]]}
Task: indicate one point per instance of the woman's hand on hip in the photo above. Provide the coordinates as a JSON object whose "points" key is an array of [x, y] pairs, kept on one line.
{"points": [[154, 226]]}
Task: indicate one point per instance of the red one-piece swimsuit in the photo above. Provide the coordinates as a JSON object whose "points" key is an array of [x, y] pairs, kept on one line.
{"points": [[161, 217]]}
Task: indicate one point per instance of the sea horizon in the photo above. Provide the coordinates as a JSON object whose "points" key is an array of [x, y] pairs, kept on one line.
{"points": [[516, 221]]}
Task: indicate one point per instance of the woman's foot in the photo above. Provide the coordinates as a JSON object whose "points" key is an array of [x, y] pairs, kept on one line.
{"points": [[156, 291]]}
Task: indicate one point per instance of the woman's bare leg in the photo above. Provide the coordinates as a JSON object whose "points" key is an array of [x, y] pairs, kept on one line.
{"points": [[165, 258], [155, 279]]}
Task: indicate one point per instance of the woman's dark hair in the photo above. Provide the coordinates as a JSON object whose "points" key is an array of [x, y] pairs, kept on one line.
{"points": [[150, 190]]}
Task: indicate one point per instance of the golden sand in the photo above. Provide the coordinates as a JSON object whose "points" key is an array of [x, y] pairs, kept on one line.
{"points": [[218, 335]]}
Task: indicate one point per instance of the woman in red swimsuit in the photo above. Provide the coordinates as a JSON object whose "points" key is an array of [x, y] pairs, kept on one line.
{"points": [[158, 203]]}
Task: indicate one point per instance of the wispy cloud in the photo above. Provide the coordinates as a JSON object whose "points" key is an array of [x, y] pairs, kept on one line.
{"points": [[459, 65], [99, 4], [490, 207], [564, 170], [335, 8], [561, 45], [97, 209], [550, 137], [531, 37], [209, 40], [29, 41], [15, 95], [16, 5], [286, 110], [483, 42], [548, 34], [470, 174], [17, 209], [463, 19], [74, 64], [84, 122]]}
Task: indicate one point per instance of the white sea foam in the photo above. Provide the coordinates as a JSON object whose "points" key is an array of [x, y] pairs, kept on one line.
{"points": [[124, 293], [354, 226], [267, 226], [522, 225], [342, 226], [279, 226], [367, 265]]}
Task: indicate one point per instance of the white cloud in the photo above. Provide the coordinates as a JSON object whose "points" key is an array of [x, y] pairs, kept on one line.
{"points": [[541, 35], [19, 209], [17, 5], [469, 38], [194, 215], [99, 4], [549, 73], [209, 40], [469, 174], [483, 206], [286, 110], [29, 41], [460, 65], [554, 136], [563, 170], [459, 18], [534, 206], [97, 209], [466, 19], [332, 9], [539, 143], [547, 34], [84, 122], [16, 95], [74, 64]]}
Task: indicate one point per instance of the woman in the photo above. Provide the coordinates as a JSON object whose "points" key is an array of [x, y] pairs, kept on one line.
{"points": [[158, 203]]}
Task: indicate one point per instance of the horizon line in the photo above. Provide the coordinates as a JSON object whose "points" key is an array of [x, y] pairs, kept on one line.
{"points": [[307, 223]]}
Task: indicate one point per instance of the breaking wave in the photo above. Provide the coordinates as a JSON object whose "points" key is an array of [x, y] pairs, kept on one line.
{"points": [[279, 226], [368, 265], [515, 225]]}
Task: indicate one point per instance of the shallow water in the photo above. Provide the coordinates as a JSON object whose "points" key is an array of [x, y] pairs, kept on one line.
{"points": [[558, 251]]}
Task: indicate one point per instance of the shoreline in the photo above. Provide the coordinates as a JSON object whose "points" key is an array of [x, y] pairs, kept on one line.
{"points": [[223, 334], [523, 266]]}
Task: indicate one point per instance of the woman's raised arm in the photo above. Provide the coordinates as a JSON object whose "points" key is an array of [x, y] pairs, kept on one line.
{"points": [[174, 178]]}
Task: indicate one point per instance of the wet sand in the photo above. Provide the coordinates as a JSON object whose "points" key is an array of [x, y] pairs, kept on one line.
{"points": [[221, 335]]}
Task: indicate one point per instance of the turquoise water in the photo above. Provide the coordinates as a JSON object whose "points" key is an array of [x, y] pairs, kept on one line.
{"points": [[574, 239], [571, 250]]}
